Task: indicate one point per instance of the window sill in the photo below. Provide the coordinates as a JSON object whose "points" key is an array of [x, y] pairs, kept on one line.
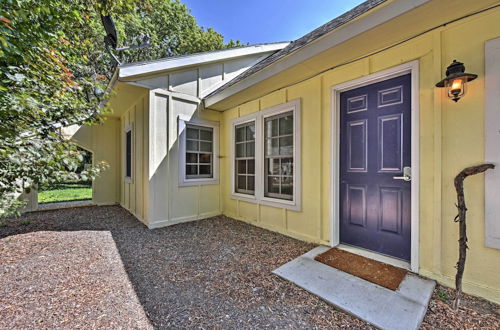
{"points": [[274, 202], [198, 182]]}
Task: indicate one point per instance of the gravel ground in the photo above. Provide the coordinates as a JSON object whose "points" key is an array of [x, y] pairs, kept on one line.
{"points": [[98, 267]]}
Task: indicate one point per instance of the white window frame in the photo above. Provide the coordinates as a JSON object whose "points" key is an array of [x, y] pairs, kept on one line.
{"points": [[254, 121], [492, 136], [128, 128], [183, 180], [259, 118], [254, 117]]}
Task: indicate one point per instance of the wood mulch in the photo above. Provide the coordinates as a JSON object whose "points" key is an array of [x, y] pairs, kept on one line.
{"points": [[371, 270], [98, 267]]}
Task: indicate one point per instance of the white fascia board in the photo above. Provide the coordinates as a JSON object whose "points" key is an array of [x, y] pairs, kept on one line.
{"points": [[145, 68], [379, 16]]}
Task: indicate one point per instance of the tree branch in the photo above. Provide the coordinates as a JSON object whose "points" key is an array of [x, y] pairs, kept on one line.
{"points": [[462, 210]]}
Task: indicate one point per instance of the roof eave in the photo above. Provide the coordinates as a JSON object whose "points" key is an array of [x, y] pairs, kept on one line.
{"points": [[169, 64], [371, 19]]}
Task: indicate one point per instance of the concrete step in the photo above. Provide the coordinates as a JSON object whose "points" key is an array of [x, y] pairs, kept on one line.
{"points": [[404, 308]]}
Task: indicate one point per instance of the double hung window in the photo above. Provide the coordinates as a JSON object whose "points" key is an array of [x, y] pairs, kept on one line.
{"points": [[245, 158], [198, 152], [266, 150], [278, 173]]}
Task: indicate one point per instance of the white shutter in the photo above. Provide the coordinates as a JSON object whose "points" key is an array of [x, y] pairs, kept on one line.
{"points": [[492, 140]]}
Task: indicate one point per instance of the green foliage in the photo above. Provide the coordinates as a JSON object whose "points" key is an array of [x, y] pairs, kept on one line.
{"points": [[53, 71], [443, 296]]}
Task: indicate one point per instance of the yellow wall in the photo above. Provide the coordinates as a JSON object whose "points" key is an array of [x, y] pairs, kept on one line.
{"points": [[103, 141], [134, 193], [451, 138]]}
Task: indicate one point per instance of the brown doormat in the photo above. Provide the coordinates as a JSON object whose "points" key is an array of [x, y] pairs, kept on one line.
{"points": [[373, 271]]}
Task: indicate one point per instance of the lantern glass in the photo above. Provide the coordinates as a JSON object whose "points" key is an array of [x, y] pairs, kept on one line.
{"points": [[456, 88]]}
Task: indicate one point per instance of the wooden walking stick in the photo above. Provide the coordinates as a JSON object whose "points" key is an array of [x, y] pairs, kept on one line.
{"points": [[460, 218]]}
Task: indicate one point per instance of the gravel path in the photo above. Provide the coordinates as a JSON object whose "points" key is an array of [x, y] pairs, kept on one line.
{"points": [[98, 267]]}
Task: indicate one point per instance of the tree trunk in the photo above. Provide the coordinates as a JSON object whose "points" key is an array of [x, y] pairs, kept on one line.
{"points": [[462, 210]]}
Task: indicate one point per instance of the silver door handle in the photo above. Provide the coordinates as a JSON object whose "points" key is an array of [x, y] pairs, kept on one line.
{"points": [[406, 174]]}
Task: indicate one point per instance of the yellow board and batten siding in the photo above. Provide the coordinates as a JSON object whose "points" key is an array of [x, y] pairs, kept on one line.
{"points": [[451, 138], [134, 193], [103, 141]]}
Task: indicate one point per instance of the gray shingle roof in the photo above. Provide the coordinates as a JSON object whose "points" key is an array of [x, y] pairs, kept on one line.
{"points": [[301, 42]]}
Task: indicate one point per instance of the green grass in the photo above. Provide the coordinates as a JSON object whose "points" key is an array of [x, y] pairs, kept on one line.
{"points": [[442, 295], [65, 192]]}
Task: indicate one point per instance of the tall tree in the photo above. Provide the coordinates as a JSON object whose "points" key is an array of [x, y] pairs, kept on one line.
{"points": [[171, 28], [53, 71]]}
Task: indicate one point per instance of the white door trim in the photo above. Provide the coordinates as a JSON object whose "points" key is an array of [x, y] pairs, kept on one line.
{"points": [[413, 69]]}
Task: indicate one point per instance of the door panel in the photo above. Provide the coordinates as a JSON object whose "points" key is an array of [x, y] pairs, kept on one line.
{"points": [[357, 145], [357, 205], [389, 143], [375, 146]]}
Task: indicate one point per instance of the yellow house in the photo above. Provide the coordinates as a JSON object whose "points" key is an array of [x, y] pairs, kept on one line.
{"points": [[340, 137]]}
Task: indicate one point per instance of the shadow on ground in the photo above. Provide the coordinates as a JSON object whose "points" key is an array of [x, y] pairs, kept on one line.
{"points": [[215, 272], [204, 274]]}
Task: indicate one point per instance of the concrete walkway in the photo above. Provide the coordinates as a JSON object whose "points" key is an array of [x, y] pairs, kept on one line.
{"points": [[64, 205], [404, 308]]}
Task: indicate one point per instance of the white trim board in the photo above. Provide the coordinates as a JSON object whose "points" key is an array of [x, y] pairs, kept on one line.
{"points": [[492, 137], [410, 67], [178, 62], [189, 218]]}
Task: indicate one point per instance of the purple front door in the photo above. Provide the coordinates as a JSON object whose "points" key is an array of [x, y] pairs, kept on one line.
{"points": [[375, 148]]}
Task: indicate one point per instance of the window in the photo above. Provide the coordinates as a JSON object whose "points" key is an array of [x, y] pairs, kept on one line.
{"points": [[128, 153], [199, 152], [245, 158], [278, 131], [266, 156], [198, 157]]}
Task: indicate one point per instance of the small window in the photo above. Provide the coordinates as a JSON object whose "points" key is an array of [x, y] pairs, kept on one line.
{"points": [[128, 153], [245, 158], [278, 156], [199, 152]]}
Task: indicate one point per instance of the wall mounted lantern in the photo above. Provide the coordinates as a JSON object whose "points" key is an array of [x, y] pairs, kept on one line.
{"points": [[456, 80]]}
